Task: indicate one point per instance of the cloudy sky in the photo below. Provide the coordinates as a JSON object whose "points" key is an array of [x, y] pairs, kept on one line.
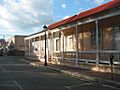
{"points": [[24, 17]]}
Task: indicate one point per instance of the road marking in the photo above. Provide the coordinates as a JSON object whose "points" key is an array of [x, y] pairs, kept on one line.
{"points": [[110, 86], [7, 83], [16, 77], [18, 85], [3, 70], [15, 71], [72, 86], [14, 65]]}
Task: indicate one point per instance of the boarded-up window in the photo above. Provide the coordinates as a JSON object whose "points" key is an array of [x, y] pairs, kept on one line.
{"points": [[93, 37], [57, 45], [116, 31], [69, 42]]}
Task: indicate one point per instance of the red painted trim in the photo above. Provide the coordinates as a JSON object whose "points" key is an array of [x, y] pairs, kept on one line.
{"points": [[87, 13]]}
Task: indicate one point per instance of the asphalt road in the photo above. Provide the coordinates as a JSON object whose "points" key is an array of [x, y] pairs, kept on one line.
{"points": [[17, 75]]}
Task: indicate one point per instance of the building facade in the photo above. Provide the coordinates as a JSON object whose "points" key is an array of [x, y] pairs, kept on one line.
{"points": [[16, 45], [88, 39]]}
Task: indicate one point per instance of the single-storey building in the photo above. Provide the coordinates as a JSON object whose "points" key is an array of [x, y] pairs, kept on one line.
{"points": [[88, 39], [16, 45]]}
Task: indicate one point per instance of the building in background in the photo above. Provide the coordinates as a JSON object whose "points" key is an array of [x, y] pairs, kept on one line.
{"points": [[86, 40], [16, 45], [3, 49]]}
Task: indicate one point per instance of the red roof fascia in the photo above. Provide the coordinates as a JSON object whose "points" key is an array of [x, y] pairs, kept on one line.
{"points": [[87, 13], [62, 22], [97, 9]]}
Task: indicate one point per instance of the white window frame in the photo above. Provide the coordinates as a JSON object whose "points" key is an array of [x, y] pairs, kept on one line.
{"points": [[69, 45], [55, 45]]}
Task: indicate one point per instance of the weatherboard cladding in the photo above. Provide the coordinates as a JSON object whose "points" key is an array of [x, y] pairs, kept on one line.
{"points": [[109, 5]]}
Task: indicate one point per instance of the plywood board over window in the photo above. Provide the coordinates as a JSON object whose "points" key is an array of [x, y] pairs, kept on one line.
{"points": [[84, 36], [107, 39], [116, 32], [108, 35], [57, 45], [69, 42]]}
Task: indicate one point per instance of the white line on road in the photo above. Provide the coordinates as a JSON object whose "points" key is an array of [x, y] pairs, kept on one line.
{"points": [[18, 85], [3, 69], [15, 71], [104, 85], [72, 86], [14, 65], [15, 77]]}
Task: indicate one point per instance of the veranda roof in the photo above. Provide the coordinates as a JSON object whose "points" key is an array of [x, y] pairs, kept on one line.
{"points": [[104, 7]]}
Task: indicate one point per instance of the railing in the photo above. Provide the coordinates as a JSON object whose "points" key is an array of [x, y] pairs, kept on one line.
{"points": [[90, 56], [57, 54], [87, 55], [104, 56], [27, 53], [69, 54]]}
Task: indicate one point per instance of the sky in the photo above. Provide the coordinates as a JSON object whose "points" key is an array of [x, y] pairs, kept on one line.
{"points": [[25, 17]]}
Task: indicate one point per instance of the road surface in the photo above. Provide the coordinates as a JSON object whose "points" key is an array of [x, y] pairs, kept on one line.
{"points": [[17, 75]]}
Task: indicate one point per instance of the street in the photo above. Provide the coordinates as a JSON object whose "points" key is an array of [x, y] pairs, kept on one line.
{"points": [[17, 75]]}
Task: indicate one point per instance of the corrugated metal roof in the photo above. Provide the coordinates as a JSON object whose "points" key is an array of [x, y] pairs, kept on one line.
{"points": [[61, 22], [97, 9], [104, 7], [87, 13]]}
